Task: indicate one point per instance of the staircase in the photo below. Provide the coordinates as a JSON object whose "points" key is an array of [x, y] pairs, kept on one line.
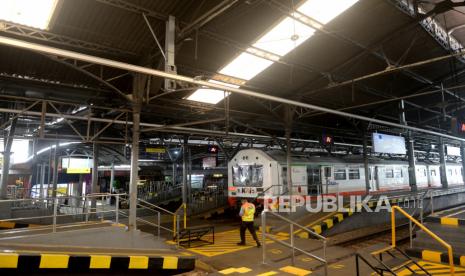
{"points": [[383, 259], [450, 230]]}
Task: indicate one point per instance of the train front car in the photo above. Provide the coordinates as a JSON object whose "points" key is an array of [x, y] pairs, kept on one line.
{"points": [[250, 176]]}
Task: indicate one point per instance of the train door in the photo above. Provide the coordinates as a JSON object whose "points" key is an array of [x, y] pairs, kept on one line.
{"points": [[314, 180], [326, 178], [373, 178]]}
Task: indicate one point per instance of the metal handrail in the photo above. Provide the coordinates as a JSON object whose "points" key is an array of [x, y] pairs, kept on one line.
{"points": [[55, 202], [154, 208], [291, 244], [426, 230], [176, 220]]}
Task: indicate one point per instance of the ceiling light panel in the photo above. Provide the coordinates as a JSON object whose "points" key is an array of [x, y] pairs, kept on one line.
{"points": [[284, 37], [325, 10], [246, 66], [210, 96], [33, 13]]}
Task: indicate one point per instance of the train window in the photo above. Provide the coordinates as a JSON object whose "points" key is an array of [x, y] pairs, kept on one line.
{"points": [[449, 171], [248, 175], [340, 174], [398, 173], [354, 173], [433, 172], [389, 173], [424, 172]]}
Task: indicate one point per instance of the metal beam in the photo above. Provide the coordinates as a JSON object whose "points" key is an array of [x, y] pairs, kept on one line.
{"points": [[320, 27], [207, 17], [200, 122], [29, 32], [72, 64], [158, 73]]}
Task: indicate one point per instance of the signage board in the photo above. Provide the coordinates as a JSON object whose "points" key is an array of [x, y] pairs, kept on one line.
{"points": [[77, 170], [209, 162], [155, 150], [383, 143], [452, 151]]}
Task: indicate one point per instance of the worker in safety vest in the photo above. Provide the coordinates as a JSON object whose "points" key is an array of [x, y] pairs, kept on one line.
{"points": [[247, 214]]}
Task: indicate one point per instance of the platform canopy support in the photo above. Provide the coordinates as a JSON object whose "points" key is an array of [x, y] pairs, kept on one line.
{"points": [[8, 143], [462, 155], [442, 163], [138, 90]]}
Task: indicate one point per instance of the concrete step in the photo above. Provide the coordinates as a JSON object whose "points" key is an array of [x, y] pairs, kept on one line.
{"points": [[458, 248], [394, 264], [448, 236], [437, 256]]}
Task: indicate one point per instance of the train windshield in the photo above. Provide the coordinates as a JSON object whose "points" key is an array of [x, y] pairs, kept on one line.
{"points": [[248, 175]]}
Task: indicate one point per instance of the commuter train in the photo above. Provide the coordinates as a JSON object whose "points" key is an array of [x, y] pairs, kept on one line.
{"points": [[254, 173]]}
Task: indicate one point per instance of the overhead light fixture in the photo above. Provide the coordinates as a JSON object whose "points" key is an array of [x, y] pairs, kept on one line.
{"points": [[246, 66], [284, 37], [33, 13], [325, 10], [210, 96]]}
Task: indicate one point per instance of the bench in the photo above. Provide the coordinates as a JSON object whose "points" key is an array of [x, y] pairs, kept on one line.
{"points": [[196, 233]]}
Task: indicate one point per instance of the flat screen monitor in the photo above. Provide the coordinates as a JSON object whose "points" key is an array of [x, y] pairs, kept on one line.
{"points": [[383, 143]]}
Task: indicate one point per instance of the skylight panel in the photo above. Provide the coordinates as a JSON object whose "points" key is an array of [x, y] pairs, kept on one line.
{"points": [[325, 10], [246, 66], [210, 96], [33, 13], [284, 37]]}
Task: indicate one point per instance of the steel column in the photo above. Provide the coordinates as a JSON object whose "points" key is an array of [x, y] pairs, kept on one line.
{"points": [[412, 176], [55, 170], [8, 143], [365, 163], [184, 169], [112, 177], [94, 189], [442, 165], [170, 51], [42, 179], [134, 170], [462, 155], [411, 163]]}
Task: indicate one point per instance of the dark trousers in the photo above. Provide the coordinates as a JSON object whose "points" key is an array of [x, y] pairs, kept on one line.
{"points": [[248, 225]]}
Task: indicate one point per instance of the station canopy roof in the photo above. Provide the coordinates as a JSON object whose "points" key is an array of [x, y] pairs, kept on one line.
{"points": [[306, 50]]}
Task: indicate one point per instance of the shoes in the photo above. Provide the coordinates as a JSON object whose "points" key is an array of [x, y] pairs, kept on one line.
{"points": [[258, 245], [241, 243]]}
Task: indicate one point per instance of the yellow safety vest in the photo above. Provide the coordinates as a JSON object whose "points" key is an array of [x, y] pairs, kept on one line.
{"points": [[249, 212]]}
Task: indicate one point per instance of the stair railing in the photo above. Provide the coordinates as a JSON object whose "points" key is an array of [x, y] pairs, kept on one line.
{"points": [[426, 230], [291, 245], [177, 219]]}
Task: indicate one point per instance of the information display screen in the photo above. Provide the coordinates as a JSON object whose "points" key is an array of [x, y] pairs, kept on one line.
{"points": [[452, 151], [383, 143]]}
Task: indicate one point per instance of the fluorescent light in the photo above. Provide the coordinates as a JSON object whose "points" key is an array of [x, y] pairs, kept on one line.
{"points": [[210, 96], [325, 10], [246, 66], [204, 95], [33, 13], [284, 37]]}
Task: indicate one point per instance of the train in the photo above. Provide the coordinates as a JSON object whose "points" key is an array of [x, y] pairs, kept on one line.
{"points": [[255, 174]]}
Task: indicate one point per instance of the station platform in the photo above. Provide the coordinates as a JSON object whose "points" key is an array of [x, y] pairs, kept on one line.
{"points": [[104, 248]]}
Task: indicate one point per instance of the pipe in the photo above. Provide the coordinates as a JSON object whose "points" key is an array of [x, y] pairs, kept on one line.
{"points": [[135, 68]]}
